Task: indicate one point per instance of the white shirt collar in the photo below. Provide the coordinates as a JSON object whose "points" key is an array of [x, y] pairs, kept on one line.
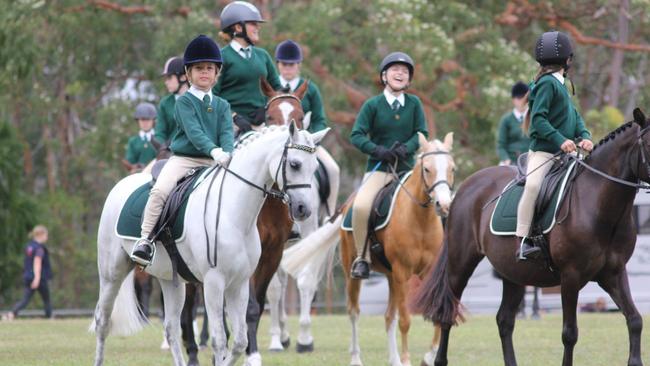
{"points": [[147, 135], [199, 93], [239, 48], [558, 75], [293, 84], [390, 98], [519, 115]]}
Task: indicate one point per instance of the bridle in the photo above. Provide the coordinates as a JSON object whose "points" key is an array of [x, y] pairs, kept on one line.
{"points": [[283, 167], [427, 188], [280, 96]]}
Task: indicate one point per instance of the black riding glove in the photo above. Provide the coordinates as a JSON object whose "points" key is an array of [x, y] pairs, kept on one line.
{"points": [[242, 123], [383, 154], [399, 150]]}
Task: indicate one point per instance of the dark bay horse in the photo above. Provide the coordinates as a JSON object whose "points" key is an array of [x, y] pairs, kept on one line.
{"points": [[593, 243]]}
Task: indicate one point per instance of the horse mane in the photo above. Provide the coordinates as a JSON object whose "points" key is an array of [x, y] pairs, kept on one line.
{"points": [[612, 135], [248, 140]]}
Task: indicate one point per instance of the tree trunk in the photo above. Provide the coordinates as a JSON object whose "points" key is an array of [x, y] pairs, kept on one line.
{"points": [[616, 68]]}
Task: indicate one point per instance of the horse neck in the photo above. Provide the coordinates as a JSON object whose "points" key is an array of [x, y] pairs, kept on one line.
{"points": [[415, 186], [252, 164], [615, 158]]}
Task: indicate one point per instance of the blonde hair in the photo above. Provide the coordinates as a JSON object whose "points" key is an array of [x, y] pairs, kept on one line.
{"points": [[38, 230], [543, 70]]}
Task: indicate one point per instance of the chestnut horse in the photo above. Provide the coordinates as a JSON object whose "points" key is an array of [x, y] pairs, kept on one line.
{"points": [[593, 243], [412, 240]]}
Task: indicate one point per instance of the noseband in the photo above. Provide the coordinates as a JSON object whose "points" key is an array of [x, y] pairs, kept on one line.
{"points": [[283, 167], [428, 189]]}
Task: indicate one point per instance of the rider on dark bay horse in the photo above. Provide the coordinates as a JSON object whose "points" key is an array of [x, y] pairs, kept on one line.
{"points": [[554, 123], [244, 65], [386, 129], [204, 136], [289, 57], [176, 84]]}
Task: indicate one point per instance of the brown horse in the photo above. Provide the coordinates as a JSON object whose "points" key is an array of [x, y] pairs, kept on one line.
{"points": [[593, 243]]}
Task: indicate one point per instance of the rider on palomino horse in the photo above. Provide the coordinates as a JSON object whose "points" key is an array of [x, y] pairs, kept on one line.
{"points": [[386, 129], [176, 84], [244, 65], [204, 136], [554, 123], [139, 150], [288, 57]]}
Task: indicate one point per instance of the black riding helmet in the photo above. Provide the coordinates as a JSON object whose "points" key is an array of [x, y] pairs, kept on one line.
{"points": [[239, 12], [173, 66], [288, 52], [519, 89], [553, 48], [396, 58], [202, 49]]}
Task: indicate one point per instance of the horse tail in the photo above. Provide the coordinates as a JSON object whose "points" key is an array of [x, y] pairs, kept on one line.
{"points": [[126, 318], [314, 252], [435, 299]]}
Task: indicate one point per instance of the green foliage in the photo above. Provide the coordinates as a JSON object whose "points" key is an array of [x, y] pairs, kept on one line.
{"points": [[602, 122], [17, 211]]}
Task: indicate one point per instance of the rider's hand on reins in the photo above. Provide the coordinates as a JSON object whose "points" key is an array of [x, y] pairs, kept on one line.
{"points": [[568, 146]]}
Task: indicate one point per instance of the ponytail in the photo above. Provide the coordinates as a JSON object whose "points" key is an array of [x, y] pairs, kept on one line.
{"points": [[543, 70]]}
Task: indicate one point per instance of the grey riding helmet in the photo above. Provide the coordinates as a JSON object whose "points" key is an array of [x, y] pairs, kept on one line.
{"points": [[239, 12], [145, 111], [397, 58], [553, 48], [173, 66]]}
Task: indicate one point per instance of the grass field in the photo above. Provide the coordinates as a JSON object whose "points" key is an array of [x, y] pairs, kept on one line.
{"points": [[603, 341]]}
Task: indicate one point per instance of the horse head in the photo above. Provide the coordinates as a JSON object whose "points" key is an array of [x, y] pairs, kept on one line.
{"points": [[437, 170], [284, 107], [643, 141], [293, 170]]}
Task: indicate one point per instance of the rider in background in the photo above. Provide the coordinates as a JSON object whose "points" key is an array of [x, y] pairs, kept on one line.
{"points": [[139, 150], [176, 84], [244, 65], [386, 129], [288, 57], [511, 140], [36, 272], [554, 124], [204, 136]]}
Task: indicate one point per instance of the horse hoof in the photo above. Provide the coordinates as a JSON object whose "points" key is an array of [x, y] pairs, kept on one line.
{"points": [[304, 348], [193, 361], [286, 343]]}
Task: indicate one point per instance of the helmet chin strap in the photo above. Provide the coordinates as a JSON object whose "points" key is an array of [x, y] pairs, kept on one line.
{"points": [[181, 83], [243, 34]]}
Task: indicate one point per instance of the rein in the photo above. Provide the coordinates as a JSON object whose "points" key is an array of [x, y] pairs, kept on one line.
{"points": [[278, 194], [427, 189]]}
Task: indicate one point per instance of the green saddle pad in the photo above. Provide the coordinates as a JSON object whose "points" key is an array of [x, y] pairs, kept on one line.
{"points": [[504, 216], [128, 225], [385, 208]]}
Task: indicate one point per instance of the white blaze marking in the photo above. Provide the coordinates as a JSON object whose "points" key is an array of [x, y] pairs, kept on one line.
{"points": [[286, 108]]}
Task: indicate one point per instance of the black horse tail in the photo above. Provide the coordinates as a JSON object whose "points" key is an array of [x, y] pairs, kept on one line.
{"points": [[435, 299]]}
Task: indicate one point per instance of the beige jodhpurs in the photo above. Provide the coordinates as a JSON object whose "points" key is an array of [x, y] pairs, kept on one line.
{"points": [[373, 183], [175, 169], [526, 208]]}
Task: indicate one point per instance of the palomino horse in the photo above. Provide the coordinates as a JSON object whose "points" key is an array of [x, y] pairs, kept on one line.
{"points": [[593, 243], [412, 240], [222, 256]]}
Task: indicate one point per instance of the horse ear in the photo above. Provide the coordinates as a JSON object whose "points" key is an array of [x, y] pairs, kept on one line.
{"points": [[449, 140], [293, 130], [302, 89], [639, 117], [267, 89], [320, 135], [422, 141], [306, 121]]}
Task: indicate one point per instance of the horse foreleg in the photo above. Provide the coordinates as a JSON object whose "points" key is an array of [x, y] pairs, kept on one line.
{"points": [[274, 295], [510, 301], [236, 304], [353, 287], [213, 292], [570, 288], [307, 284], [187, 323], [618, 288], [174, 295], [390, 319]]}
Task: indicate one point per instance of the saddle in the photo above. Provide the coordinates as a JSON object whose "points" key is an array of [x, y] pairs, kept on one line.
{"points": [[553, 190], [377, 216]]}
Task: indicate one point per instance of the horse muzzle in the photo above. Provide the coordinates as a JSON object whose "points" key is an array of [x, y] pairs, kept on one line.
{"points": [[299, 210]]}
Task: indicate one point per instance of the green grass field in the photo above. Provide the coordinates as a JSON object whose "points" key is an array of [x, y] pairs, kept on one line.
{"points": [[603, 341]]}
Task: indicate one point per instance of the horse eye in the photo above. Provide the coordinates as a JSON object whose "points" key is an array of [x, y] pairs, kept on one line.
{"points": [[426, 170], [295, 165]]}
